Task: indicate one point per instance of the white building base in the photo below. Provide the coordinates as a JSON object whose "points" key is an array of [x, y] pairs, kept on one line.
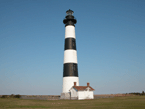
{"points": [[85, 95]]}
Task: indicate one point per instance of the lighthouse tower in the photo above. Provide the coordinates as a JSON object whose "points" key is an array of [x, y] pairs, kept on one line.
{"points": [[70, 67]]}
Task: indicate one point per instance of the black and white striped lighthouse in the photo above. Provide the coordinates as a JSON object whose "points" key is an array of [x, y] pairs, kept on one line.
{"points": [[70, 67]]}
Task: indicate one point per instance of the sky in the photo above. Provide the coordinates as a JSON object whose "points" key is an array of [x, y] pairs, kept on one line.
{"points": [[110, 40]]}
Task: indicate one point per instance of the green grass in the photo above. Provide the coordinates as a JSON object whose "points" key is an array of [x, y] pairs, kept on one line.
{"points": [[132, 102]]}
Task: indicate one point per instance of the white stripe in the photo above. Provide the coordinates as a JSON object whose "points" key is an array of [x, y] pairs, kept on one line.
{"points": [[68, 82], [70, 31], [70, 56]]}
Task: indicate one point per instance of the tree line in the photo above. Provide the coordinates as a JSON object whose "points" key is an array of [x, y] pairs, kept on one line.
{"points": [[11, 96], [137, 93]]}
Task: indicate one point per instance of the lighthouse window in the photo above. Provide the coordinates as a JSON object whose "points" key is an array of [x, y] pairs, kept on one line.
{"points": [[73, 42], [74, 67]]}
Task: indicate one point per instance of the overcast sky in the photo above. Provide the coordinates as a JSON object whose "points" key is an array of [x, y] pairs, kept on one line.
{"points": [[110, 39]]}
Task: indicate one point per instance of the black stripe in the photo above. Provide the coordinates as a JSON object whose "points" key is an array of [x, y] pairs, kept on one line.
{"points": [[70, 43], [70, 69]]}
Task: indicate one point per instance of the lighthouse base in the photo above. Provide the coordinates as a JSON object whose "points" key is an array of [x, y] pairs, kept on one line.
{"points": [[68, 82], [65, 96]]}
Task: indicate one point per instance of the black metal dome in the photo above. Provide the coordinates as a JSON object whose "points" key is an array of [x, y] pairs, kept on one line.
{"points": [[69, 19]]}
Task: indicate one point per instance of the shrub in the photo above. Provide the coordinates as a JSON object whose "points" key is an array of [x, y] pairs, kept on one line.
{"points": [[17, 96], [12, 96], [4, 96]]}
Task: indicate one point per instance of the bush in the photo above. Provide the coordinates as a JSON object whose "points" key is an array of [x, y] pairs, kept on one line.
{"points": [[143, 93], [12, 96], [17, 96], [4, 96]]}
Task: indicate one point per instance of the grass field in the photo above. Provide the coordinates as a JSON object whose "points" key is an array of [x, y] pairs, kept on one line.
{"points": [[131, 102]]}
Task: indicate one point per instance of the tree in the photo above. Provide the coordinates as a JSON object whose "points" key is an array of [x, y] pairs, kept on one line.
{"points": [[142, 92]]}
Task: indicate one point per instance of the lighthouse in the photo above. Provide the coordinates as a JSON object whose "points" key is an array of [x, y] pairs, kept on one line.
{"points": [[70, 66]]}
